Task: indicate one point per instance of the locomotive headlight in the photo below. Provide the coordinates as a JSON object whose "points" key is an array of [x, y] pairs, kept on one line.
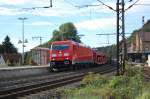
{"points": [[66, 54], [67, 58], [53, 55]]}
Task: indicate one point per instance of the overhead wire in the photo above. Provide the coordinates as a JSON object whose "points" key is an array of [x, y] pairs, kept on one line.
{"points": [[143, 4], [69, 3], [33, 8], [132, 5], [106, 5]]}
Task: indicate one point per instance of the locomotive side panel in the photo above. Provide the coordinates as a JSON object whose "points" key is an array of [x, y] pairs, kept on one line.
{"points": [[83, 55]]}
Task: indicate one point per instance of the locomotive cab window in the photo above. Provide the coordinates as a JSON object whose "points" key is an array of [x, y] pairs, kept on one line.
{"points": [[60, 46]]}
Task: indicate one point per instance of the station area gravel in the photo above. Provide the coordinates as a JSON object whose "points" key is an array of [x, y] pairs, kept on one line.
{"points": [[51, 94]]}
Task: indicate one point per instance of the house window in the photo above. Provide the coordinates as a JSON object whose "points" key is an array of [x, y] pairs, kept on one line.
{"points": [[146, 47]]}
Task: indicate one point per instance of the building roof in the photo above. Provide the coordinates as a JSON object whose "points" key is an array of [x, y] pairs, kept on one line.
{"points": [[40, 48], [145, 36]]}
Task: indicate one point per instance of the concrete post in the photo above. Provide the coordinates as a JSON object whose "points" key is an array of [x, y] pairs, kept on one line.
{"points": [[148, 60]]}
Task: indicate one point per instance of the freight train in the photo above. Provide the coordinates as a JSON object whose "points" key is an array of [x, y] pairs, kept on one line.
{"points": [[70, 54]]}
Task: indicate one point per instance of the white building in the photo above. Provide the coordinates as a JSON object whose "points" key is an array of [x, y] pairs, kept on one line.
{"points": [[2, 62]]}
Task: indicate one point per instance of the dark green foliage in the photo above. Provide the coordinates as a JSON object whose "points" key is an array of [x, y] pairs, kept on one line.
{"points": [[109, 50], [27, 56], [1, 49], [67, 31], [7, 46], [132, 37], [56, 36], [145, 28], [46, 45], [94, 79], [128, 86]]}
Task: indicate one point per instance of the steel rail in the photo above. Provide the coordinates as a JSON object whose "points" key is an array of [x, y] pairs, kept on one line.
{"points": [[32, 88]]}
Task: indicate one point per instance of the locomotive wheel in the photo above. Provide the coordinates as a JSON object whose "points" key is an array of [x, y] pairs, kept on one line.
{"points": [[72, 67]]}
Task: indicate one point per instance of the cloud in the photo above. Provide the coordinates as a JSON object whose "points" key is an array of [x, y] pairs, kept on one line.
{"points": [[41, 23], [59, 9], [96, 23], [13, 2], [10, 12], [138, 9], [64, 9]]}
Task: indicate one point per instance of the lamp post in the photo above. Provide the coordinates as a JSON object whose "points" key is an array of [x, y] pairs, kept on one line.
{"points": [[23, 40]]}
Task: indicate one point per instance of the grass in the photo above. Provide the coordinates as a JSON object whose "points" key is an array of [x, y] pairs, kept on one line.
{"points": [[131, 85]]}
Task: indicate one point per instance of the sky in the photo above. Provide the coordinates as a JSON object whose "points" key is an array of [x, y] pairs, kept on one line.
{"points": [[89, 20]]}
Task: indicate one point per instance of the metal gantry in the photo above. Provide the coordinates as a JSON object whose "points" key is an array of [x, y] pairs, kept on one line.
{"points": [[120, 32], [121, 42]]}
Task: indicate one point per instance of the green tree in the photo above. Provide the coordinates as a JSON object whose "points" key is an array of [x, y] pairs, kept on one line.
{"points": [[8, 47], [27, 57], [109, 50], [66, 31], [56, 36], [1, 49]]}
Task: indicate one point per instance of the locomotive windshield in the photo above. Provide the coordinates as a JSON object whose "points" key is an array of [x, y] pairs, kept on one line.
{"points": [[60, 46]]}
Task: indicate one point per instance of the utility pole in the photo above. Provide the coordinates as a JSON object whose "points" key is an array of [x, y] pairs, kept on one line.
{"points": [[39, 37], [143, 19], [143, 25], [120, 31], [142, 34], [23, 41], [121, 42]]}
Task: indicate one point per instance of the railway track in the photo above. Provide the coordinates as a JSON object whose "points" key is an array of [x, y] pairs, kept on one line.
{"points": [[47, 84], [4, 83], [12, 83]]}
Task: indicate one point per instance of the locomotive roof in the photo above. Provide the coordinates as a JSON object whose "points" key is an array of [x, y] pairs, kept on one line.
{"points": [[59, 42], [69, 41]]}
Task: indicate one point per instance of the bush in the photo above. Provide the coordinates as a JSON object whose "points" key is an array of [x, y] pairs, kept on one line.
{"points": [[145, 95], [32, 62], [133, 70], [94, 80], [128, 86]]}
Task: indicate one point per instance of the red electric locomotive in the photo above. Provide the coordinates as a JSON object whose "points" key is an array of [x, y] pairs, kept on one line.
{"points": [[68, 53]]}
